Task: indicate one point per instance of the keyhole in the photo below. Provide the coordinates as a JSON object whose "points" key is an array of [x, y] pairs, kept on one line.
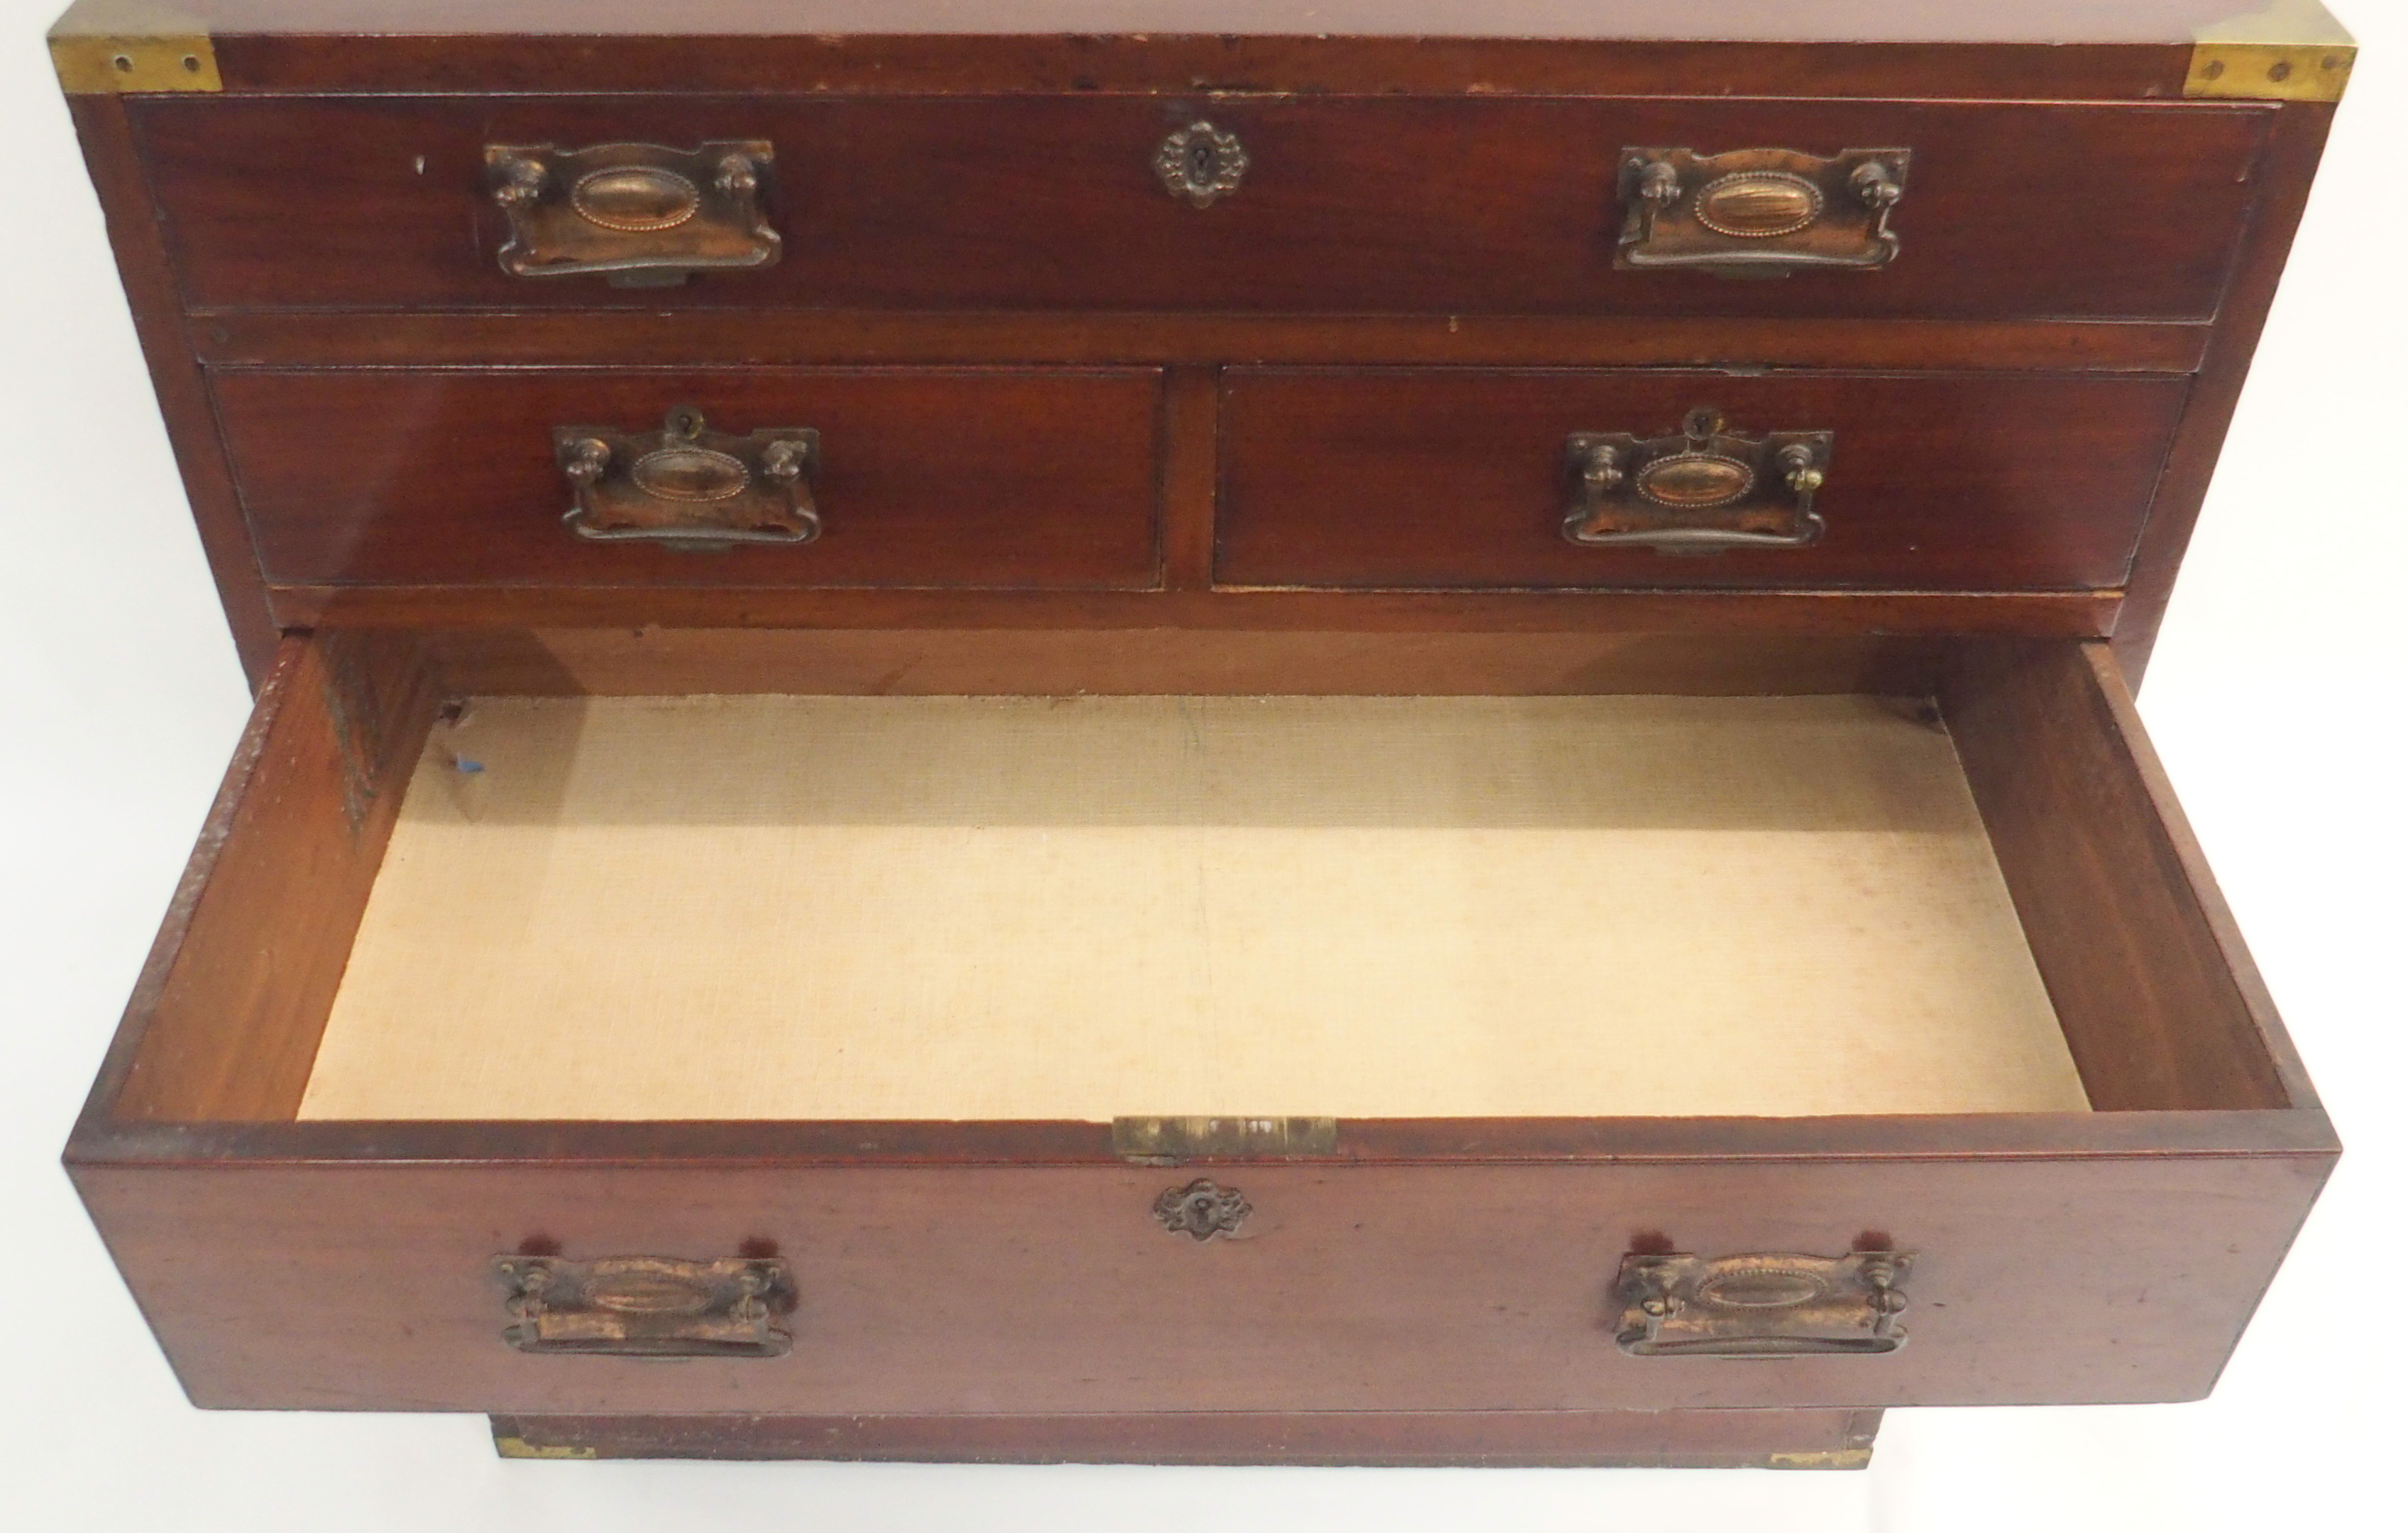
{"points": [[1203, 164]]}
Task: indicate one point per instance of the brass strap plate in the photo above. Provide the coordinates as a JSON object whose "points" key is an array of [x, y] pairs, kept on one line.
{"points": [[131, 46], [1162, 1140], [2283, 50]]}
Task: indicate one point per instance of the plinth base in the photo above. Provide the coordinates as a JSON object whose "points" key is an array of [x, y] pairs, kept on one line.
{"points": [[1775, 1440]]}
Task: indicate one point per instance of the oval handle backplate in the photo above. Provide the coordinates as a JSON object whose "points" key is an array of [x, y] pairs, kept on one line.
{"points": [[1776, 1305], [1760, 212], [648, 1306], [1708, 490], [640, 215], [688, 486]]}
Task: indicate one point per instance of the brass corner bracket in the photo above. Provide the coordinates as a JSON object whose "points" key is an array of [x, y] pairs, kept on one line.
{"points": [[1830, 1458], [518, 1447], [131, 46], [2286, 51]]}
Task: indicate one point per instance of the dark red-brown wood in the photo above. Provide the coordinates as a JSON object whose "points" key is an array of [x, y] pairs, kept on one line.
{"points": [[1769, 615], [2048, 49], [1470, 1288], [1062, 662], [1433, 1266], [2158, 998], [2286, 174], [966, 202], [692, 337], [1404, 478], [230, 1007], [1349, 206], [1687, 1440], [990, 478], [152, 291], [2049, 22]]}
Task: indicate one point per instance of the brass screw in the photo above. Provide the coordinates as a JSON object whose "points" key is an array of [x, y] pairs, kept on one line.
{"points": [[2281, 72], [124, 62], [192, 64], [2215, 69]]}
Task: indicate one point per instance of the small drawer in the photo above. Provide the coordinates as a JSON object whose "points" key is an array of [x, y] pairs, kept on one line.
{"points": [[1454, 479], [911, 478], [1223, 205], [1901, 1045]]}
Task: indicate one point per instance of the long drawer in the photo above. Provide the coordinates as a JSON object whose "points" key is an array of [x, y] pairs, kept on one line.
{"points": [[1336, 206], [780, 1034], [988, 478], [1464, 478]]}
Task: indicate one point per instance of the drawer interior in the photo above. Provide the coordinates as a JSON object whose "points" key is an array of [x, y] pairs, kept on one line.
{"points": [[1778, 901], [1084, 908]]}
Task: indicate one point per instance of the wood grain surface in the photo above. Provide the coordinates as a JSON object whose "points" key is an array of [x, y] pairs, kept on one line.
{"points": [[1347, 206], [1457, 479], [1790, 1439], [965, 477]]}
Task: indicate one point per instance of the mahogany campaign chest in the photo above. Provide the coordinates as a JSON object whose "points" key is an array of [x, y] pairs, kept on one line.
{"points": [[1198, 730]]}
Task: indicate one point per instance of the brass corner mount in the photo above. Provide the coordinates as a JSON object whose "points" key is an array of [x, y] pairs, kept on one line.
{"points": [[2286, 51], [131, 48]]}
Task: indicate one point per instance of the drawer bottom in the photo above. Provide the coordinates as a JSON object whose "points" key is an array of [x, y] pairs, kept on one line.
{"points": [[963, 909], [1669, 1440]]}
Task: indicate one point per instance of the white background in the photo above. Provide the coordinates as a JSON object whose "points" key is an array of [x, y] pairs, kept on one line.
{"points": [[2274, 699]]}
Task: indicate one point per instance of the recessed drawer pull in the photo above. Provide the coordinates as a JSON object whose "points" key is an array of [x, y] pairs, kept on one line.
{"points": [[637, 214], [1761, 1306], [1760, 212], [1705, 491], [690, 487], [648, 1306]]}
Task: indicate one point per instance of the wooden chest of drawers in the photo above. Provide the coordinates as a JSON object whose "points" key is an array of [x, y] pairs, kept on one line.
{"points": [[1190, 733]]}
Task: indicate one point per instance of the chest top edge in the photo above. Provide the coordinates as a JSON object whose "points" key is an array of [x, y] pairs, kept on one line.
{"points": [[2045, 49]]}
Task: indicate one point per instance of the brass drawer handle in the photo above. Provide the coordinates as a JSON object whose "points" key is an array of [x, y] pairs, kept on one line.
{"points": [[1708, 490], [1762, 1305], [688, 486], [637, 214], [648, 1306], [1760, 212]]}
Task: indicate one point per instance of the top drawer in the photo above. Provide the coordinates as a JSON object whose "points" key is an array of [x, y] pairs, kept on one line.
{"points": [[1343, 205]]}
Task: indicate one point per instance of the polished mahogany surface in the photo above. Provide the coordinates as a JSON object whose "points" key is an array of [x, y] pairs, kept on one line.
{"points": [[980, 478], [1457, 477], [1346, 207], [1752, 21]]}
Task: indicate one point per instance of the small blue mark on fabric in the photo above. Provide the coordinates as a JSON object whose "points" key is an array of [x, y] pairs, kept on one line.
{"points": [[468, 765]]}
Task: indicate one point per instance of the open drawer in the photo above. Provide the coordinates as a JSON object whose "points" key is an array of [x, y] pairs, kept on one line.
{"points": [[1627, 1053]]}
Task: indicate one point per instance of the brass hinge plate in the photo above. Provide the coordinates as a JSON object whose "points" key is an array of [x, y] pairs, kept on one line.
{"points": [[1162, 1141], [131, 46], [2284, 50]]}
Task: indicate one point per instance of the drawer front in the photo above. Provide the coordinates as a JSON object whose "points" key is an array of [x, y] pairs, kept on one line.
{"points": [[1059, 1289], [1343, 206], [1430, 479], [922, 477]]}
